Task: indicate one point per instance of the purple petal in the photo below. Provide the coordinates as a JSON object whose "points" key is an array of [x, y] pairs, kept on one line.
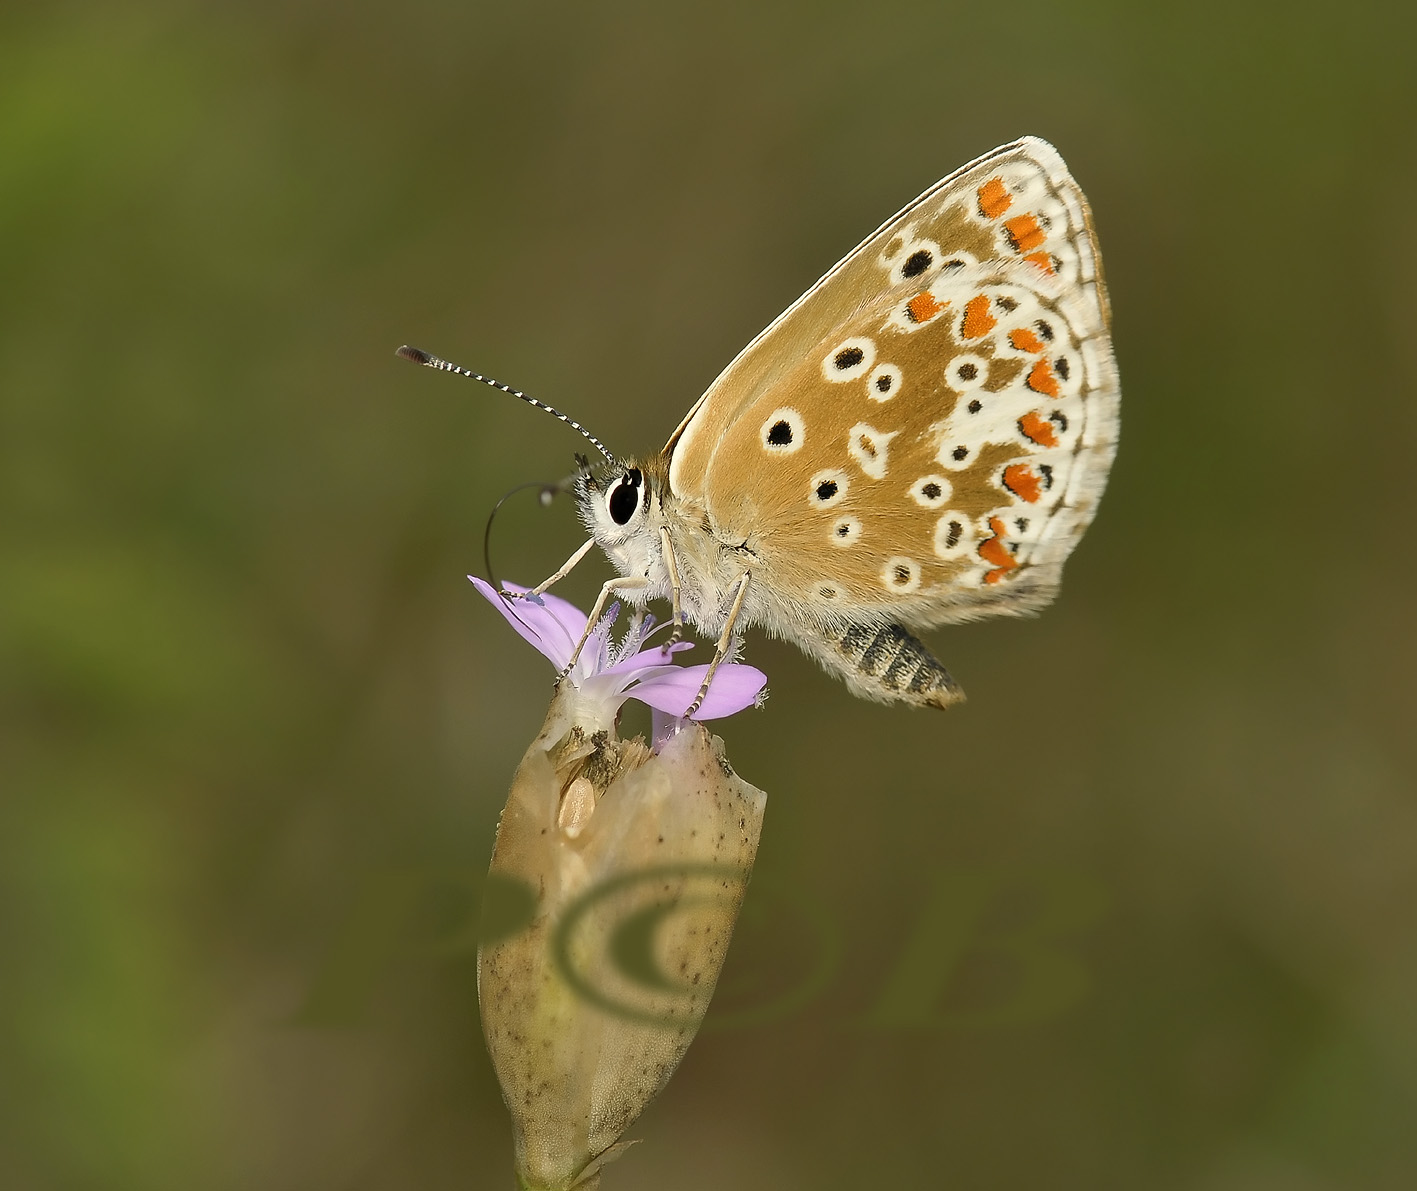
{"points": [[553, 625], [655, 655], [565, 613], [735, 687]]}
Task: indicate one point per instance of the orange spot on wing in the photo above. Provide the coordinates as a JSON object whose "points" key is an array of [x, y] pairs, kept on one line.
{"points": [[923, 307], [994, 199], [1043, 260], [1042, 380], [977, 319], [995, 553], [1023, 482], [1025, 340], [1038, 429], [1024, 232]]}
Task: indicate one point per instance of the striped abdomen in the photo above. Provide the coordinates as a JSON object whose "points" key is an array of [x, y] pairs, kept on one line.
{"points": [[886, 663]]}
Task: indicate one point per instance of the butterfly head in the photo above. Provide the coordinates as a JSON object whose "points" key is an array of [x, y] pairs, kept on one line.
{"points": [[622, 506]]}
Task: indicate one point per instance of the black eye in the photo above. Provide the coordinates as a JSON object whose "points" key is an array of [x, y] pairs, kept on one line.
{"points": [[625, 498]]}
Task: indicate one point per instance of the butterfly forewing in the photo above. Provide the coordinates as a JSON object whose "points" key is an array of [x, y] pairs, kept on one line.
{"points": [[923, 436]]}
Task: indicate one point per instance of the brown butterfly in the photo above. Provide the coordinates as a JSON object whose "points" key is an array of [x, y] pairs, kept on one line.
{"points": [[920, 439]]}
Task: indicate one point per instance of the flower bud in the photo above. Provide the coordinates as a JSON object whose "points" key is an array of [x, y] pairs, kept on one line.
{"points": [[638, 860]]}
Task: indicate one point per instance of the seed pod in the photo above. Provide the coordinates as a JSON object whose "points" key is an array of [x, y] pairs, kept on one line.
{"points": [[638, 860]]}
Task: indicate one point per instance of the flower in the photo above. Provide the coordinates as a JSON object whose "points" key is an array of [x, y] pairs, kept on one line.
{"points": [[630, 864], [613, 673]]}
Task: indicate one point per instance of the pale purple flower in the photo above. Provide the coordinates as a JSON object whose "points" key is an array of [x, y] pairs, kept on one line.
{"points": [[613, 672]]}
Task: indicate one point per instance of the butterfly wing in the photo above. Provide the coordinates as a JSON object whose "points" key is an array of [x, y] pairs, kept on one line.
{"points": [[924, 435]]}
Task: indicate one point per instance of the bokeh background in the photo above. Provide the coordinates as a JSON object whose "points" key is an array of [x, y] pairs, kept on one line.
{"points": [[1140, 914]]}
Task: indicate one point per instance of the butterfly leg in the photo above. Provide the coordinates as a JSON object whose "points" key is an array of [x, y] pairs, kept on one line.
{"points": [[619, 583], [725, 638], [676, 633], [545, 585]]}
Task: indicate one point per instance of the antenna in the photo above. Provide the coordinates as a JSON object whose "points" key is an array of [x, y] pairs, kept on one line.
{"points": [[419, 356], [546, 494]]}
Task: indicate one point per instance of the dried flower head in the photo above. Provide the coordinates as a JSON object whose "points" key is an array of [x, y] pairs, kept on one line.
{"points": [[636, 861]]}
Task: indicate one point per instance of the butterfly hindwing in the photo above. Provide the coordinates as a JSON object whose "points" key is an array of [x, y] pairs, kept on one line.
{"points": [[923, 436]]}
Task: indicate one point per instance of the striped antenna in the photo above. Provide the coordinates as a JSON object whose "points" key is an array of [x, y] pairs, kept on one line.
{"points": [[419, 356]]}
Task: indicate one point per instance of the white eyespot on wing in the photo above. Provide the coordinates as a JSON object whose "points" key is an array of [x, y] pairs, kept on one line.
{"points": [[900, 574], [883, 383], [869, 447], [967, 371], [827, 488], [959, 447], [846, 531], [931, 492], [916, 258], [954, 535], [783, 431], [849, 359], [978, 406]]}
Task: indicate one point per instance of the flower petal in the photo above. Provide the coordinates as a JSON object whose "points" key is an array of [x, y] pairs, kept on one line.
{"points": [[655, 655], [618, 686], [565, 613], [551, 624], [735, 686], [554, 625]]}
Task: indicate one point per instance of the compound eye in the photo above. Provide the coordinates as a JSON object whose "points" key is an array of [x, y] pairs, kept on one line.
{"points": [[624, 499]]}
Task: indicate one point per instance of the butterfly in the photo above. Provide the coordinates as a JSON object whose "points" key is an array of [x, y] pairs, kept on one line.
{"points": [[920, 439]]}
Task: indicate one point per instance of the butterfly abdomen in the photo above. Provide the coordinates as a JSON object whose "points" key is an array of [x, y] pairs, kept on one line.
{"points": [[887, 664]]}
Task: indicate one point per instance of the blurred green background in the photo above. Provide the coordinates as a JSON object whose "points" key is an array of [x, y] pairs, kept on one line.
{"points": [[257, 727]]}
